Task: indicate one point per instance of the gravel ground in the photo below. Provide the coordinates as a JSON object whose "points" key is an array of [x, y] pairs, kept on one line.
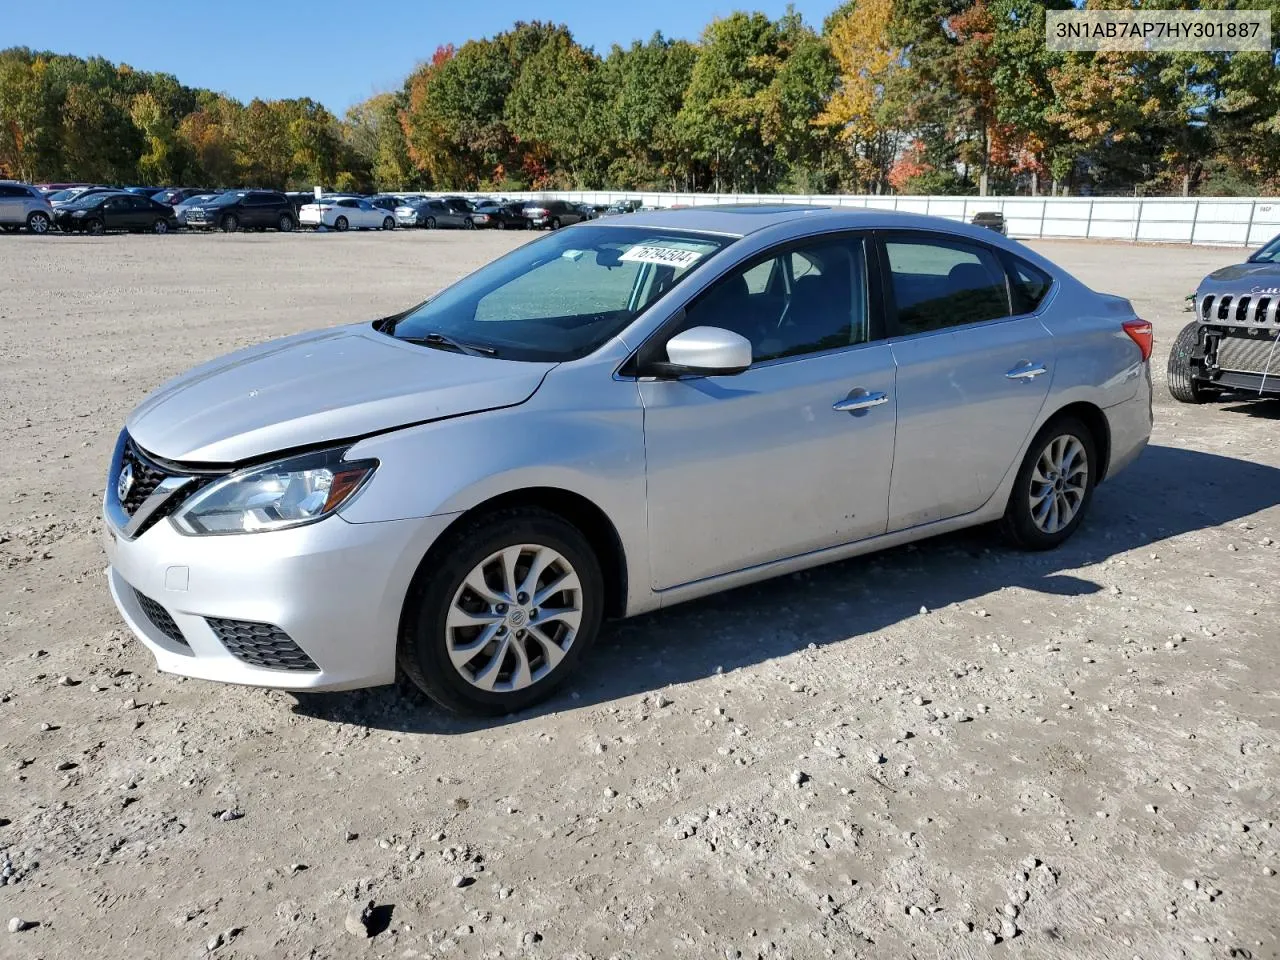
{"points": [[943, 750]]}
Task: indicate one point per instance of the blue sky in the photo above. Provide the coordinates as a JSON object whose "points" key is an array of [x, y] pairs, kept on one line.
{"points": [[336, 51]]}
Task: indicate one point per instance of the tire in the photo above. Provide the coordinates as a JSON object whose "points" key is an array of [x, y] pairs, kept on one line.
{"points": [[1183, 385], [426, 636], [160, 226], [388, 223], [469, 224], [38, 223], [555, 223], [430, 223], [230, 223], [95, 227], [1019, 525], [341, 224], [285, 224]]}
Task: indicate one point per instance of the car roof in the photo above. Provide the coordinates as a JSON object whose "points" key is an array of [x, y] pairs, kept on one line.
{"points": [[741, 219]]}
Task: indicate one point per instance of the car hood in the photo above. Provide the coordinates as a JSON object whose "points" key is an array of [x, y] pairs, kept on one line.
{"points": [[318, 387], [1242, 278]]}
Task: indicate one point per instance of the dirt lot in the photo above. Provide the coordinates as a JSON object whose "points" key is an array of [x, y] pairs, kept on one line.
{"points": [[1074, 753]]}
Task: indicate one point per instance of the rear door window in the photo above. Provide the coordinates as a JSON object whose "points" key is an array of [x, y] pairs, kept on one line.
{"points": [[937, 283], [1029, 286]]}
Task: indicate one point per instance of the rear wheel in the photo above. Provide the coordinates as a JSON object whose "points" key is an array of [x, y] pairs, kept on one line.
{"points": [[555, 223], [502, 224], [501, 612], [469, 224], [285, 224], [341, 224], [388, 223], [1053, 487], [430, 223], [95, 227], [1183, 385], [230, 223], [38, 223]]}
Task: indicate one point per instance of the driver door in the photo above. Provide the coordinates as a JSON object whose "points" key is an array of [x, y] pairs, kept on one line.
{"points": [[794, 454]]}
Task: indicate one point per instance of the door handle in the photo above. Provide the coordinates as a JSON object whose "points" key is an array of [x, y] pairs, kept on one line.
{"points": [[860, 400], [1027, 370]]}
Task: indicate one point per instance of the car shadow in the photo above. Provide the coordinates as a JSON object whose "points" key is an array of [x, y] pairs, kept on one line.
{"points": [[1265, 408], [1166, 492]]}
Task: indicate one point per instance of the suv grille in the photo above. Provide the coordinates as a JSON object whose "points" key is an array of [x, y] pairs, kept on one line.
{"points": [[1245, 309], [1248, 354], [160, 619], [261, 645]]}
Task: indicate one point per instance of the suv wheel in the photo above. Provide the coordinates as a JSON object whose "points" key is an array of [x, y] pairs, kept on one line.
{"points": [[1053, 487], [1183, 385], [230, 223], [469, 224], [38, 222], [430, 223], [501, 611], [555, 223], [285, 223]]}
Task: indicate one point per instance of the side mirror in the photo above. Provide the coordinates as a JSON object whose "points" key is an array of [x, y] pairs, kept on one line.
{"points": [[707, 352]]}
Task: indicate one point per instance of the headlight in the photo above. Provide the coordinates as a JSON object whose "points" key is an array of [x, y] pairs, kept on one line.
{"points": [[78, 213], [288, 493]]}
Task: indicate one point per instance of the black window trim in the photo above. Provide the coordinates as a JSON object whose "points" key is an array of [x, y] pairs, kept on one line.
{"points": [[651, 348], [895, 332]]}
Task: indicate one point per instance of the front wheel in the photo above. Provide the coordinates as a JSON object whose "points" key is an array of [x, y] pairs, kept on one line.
{"points": [[285, 224], [160, 226], [38, 223], [388, 223], [1183, 385], [501, 611], [1053, 487], [95, 227], [230, 223]]}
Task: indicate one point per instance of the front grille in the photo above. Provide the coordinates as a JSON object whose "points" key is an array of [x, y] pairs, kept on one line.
{"points": [[1240, 309], [261, 645], [160, 618], [146, 477], [1249, 355]]}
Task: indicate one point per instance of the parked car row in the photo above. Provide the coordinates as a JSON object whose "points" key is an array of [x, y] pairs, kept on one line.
{"points": [[96, 209]]}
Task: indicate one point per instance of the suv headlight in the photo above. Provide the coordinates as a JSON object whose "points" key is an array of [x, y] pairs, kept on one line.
{"points": [[276, 496]]}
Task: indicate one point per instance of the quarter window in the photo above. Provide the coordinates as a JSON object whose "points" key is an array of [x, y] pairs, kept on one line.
{"points": [[1030, 284], [942, 283], [801, 301]]}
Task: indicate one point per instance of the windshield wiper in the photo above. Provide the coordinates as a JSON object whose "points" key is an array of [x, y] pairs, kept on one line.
{"points": [[439, 340]]}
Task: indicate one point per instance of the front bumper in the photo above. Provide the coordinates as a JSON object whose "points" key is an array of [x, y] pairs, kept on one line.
{"points": [[335, 588]]}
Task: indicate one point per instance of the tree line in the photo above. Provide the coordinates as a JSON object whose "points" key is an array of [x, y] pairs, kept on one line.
{"points": [[910, 96]]}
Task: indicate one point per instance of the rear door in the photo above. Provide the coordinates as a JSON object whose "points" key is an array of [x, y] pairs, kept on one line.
{"points": [[12, 202], [972, 375]]}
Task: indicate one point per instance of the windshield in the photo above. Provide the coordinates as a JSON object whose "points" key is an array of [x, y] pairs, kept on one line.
{"points": [[91, 200], [1268, 254], [561, 297], [226, 198], [62, 195]]}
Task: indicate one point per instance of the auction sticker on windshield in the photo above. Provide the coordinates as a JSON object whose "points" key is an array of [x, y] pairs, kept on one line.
{"points": [[664, 256]]}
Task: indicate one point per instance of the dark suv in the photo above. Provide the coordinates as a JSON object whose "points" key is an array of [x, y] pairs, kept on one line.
{"points": [[244, 209]]}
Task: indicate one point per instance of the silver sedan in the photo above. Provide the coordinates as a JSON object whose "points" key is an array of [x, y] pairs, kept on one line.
{"points": [[618, 417]]}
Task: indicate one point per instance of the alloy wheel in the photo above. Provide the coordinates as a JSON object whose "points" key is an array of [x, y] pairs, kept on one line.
{"points": [[1059, 482], [38, 223], [514, 617]]}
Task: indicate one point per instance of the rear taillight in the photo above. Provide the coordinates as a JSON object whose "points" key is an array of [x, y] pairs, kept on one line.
{"points": [[1139, 332]]}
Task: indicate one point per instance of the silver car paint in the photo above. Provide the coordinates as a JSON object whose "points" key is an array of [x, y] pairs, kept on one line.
{"points": [[705, 484], [317, 387]]}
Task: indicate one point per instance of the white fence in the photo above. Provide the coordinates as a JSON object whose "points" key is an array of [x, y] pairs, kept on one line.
{"points": [[1234, 221]]}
